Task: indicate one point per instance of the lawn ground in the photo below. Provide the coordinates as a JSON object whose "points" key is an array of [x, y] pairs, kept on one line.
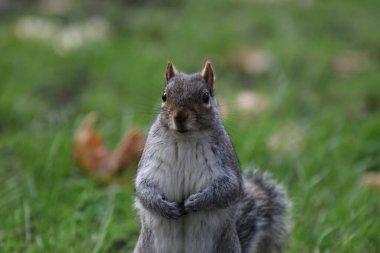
{"points": [[314, 70]]}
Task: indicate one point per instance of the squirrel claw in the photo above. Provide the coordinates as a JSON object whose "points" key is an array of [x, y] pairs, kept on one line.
{"points": [[192, 203], [172, 210]]}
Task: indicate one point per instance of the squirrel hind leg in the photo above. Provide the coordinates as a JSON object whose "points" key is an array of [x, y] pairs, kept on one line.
{"points": [[262, 222]]}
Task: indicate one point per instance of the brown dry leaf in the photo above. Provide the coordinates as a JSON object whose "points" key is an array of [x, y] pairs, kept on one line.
{"points": [[350, 63], [129, 150], [89, 149], [94, 157], [371, 179]]}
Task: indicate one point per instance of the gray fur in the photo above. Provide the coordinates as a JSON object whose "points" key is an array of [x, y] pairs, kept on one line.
{"points": [[151, 199], [262, 222], [190, 193]]}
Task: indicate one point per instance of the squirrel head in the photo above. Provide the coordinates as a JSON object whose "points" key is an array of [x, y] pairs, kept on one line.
{"points": [[188, 101]]}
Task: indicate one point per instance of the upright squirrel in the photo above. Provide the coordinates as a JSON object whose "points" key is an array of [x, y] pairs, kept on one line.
{"points": [[190, 193]]}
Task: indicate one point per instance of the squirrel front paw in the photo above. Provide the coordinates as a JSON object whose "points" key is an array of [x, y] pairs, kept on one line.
{"points": [[194, 202], [171, 210]]}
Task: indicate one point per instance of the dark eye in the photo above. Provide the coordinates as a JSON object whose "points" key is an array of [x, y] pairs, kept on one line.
{"points": [[164, 97], [205, 97]]}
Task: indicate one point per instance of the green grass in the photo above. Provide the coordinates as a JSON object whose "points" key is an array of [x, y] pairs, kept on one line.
{"points": [[48, 205]]}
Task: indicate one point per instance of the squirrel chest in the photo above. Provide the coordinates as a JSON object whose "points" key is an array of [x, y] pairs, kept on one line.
{"points": [[183, 167]]}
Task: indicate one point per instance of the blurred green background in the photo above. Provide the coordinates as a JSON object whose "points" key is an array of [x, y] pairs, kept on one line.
{"points": [[299, 87]]}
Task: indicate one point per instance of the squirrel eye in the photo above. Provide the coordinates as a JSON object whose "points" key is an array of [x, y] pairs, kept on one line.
{"points": [[206, 97], [164, 97]]}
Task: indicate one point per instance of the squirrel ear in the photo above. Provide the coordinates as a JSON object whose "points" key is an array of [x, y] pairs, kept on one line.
{"points": [[208, 75], [170, 71]]}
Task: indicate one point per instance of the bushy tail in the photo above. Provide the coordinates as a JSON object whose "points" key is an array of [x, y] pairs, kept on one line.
{"points": [[262, 223]]}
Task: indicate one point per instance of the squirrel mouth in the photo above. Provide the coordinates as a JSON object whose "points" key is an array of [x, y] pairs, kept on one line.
{"points": [[182, 130], [180, 127]]}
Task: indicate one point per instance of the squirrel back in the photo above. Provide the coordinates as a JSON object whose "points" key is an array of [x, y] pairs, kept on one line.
{"points": [[190, 192]]}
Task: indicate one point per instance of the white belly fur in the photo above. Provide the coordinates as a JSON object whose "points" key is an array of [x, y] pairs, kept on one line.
{"points": [[182, 171], [194, 233]]}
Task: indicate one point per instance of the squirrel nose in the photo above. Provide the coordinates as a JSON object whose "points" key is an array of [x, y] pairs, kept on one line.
{"points": [[180, 118]]}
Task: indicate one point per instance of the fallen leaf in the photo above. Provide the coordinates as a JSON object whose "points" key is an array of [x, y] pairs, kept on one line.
{"points": [[349, 63], [129, 150], [95, 158], [371, 179], [89, 149]]}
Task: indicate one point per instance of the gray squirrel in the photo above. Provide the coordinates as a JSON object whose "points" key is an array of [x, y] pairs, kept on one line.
{"points": [[190, 193]]}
